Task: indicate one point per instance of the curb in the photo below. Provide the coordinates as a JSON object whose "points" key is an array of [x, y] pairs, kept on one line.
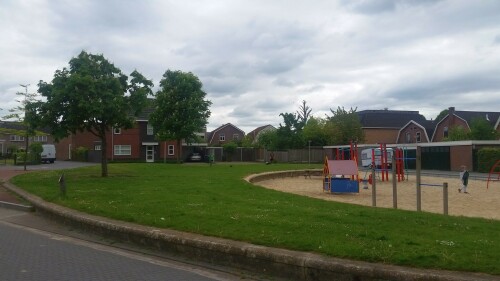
{"points": [[17, 207], [281, 263]]}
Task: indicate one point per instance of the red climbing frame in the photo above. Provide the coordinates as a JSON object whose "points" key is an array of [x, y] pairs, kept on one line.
{"points": [[492, 171]]}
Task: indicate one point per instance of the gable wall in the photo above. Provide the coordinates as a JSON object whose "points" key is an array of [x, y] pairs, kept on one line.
{"points": [[228, 132], [449, 121], [412, 129]]}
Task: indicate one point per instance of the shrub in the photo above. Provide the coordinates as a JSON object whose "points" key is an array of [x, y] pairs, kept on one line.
{"points": [[487, 158]]}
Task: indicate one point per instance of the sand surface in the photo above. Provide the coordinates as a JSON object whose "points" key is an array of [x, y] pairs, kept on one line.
{"points": [[480, 202]]}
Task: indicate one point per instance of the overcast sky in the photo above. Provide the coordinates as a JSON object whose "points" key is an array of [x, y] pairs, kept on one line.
{"points": [[257, 59]]}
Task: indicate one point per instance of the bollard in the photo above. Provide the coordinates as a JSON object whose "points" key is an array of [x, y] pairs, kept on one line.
{"points": [[374, 189], [417, 175], [62, 185], [445, 198], [394, 184]]}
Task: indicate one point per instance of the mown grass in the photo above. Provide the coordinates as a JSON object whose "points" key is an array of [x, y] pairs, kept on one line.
{"points": [[216, 201]]}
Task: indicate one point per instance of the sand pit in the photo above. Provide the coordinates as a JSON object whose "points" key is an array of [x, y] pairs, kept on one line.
{"points": [[480, 202]]}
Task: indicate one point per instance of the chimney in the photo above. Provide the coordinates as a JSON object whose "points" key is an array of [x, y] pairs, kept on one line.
{"points": [[451, 119]]}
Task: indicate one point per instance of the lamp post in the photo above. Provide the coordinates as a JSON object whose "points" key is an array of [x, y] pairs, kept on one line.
{"points": [[27, 129]]}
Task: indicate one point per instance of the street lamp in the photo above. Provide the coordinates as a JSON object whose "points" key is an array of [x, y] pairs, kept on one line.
{"points": [[26, 141]]}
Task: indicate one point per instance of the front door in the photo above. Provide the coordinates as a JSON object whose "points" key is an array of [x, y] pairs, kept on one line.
{"points": [[150, 153]]}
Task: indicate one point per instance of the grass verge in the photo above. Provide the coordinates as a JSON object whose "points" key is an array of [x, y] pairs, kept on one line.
{"points": [[216, 201]]}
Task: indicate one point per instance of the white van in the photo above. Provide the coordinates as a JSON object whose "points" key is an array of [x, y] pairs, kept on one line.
{"points": [[49, 153], [366, 157]]}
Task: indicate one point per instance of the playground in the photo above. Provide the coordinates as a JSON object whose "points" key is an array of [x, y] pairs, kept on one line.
{"points": [[480, 202]]}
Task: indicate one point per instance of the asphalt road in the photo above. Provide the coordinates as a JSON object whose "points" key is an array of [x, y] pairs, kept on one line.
{"points": [[31, 248]]}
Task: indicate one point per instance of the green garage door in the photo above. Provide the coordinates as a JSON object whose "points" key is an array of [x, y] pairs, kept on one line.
{"points": [[436, 158]]}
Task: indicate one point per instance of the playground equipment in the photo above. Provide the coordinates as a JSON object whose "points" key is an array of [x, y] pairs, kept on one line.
{"points": [[340, 176], [492, 171]]}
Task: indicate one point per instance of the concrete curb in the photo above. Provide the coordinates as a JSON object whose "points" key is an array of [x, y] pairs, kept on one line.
{"points": [[281, 263], [17, 207]]}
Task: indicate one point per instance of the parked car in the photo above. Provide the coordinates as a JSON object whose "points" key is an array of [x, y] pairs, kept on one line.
{"points": [[195, 157]]}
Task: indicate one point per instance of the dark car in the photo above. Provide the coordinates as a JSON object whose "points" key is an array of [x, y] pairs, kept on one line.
{"points": [[195, 157]]}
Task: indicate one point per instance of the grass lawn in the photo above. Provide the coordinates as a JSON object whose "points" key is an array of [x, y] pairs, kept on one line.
{"points": [[216, 201]]}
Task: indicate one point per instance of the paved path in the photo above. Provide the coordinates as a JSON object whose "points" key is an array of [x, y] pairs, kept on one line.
{"points": [[28, 253]]}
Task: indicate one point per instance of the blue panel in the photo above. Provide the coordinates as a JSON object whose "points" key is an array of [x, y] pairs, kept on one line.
{"points": [[344, 185]]}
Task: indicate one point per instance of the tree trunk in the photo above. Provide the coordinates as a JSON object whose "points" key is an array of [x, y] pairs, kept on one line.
{"points": [[179, 145], [26, 147], [104, 156]]}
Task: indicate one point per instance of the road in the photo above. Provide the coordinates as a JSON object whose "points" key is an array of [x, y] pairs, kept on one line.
{"points": [[31, 248]]}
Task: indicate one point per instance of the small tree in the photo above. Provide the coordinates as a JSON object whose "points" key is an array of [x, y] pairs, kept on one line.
{"points": [[25, 114], [180, 108], [229, 150], [457, 133], [481, 129], [35, 150]]}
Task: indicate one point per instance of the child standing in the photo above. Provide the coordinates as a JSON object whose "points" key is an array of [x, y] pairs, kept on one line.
{"points": [[464, 178]]}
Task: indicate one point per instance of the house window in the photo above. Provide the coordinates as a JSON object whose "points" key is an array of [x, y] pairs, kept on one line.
{"points": [[222, 137], [16, 138], [123, 150], [171, 150], [97, 147], [408, 138], [236, 137], [40, 138], [117, 131], [417, 136], [149, 130], [445, 132]]}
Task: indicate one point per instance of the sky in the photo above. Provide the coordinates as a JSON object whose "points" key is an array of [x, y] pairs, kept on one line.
{"points": [[257, 59]]}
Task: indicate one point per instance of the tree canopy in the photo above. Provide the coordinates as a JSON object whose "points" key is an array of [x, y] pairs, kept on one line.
{"points": [[346, 126], [180, 109], [92, 95]]}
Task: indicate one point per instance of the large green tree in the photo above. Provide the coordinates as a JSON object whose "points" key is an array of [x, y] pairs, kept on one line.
{"points": [[289, 134], [346, 126], [180, 108], [92, 95], [318, 131]]}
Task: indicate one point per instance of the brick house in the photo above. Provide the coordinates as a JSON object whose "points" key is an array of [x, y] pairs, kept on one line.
{"points": [[12, 136], [383, 126], [414, 132], [463, 119], [137, 144], [255, 134], [224, 134]]}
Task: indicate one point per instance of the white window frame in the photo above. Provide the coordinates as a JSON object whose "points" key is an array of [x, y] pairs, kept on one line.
{"points": [[236, 137], [149, 130], [97, 147], [16, 138], [408, 137], [117, 131], [445, 132], [222, 137], [171, 149], [40, 138], [418, 137], [122, 150]]}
